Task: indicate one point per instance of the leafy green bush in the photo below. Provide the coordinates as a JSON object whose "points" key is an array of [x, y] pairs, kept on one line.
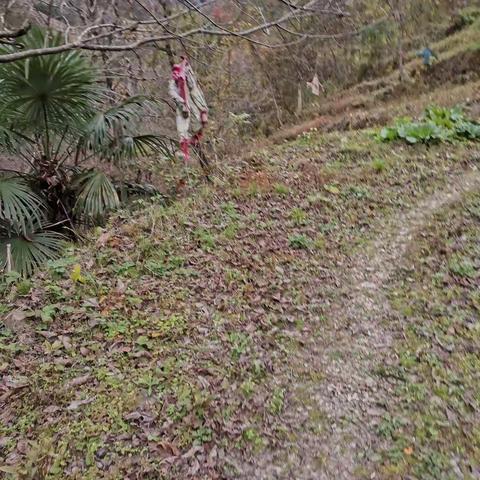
{"points": [[58, 120], [437, 124]]}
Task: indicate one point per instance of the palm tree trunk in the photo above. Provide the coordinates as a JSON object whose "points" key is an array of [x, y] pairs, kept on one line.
{"points": [[46, 148]]}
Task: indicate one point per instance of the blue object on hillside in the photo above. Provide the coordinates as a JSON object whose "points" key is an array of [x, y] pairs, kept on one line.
{"points": [[427, 56]]}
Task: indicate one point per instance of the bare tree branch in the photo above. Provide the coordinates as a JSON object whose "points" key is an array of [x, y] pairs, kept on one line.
{"points": [[324, 11], [93, 37]]}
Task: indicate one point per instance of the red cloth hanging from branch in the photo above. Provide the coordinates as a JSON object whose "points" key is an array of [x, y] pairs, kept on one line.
{"points": [[191, 107]]}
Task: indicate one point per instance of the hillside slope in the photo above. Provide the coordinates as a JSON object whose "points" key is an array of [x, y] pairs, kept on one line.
{"points": [[453, 79], [312, 315]]}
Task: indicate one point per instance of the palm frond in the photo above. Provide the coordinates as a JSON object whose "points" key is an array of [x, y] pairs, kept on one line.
{"points": [[31, 251], [143, 146], [132, 189], [106, 126], [96, 195], [58, 89], [20, 206], [11, 140], [128, 111]]}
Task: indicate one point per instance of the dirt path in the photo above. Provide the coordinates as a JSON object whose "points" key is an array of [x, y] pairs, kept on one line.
{"points": [[332, 413]]}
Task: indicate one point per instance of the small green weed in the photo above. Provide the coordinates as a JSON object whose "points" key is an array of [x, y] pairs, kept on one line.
{"points": [[61, 268], [24, 287], [230, 231], [48, 313], [240, 343], [233, 275], [379, 165], [252, 436], [127, 269], [116, 328], [389, 426], [148, 381], [253, 189], [281, 189], [298, 216], [203, 435], [319, 242], [299, 242], [230, 210], [205, 239], [172, 327], [463, 267], [164, 267], [248, 388], [277, 401]]}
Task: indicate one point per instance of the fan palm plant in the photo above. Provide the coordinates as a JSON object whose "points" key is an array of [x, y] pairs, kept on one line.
{"points": [[56, 118]]}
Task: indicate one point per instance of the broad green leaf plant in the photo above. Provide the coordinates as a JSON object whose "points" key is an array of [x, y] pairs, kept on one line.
{"points": [[436, 125]]}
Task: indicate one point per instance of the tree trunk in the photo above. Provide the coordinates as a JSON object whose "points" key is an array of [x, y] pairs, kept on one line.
{"points": [[398, 10], [299, 100]]}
